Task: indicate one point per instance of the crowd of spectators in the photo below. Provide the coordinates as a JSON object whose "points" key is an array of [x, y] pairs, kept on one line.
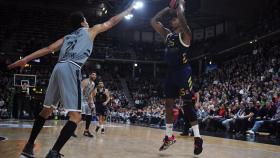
{"points": [[242, 87], [5, 90], [153, 114], [144, 90]]}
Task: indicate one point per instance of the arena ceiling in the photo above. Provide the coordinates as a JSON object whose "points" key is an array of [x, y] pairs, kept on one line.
{"points": [[200, 13]]}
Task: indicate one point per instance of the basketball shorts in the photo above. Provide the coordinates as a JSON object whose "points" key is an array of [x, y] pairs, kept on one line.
{"points": [[86, 109], [100, 109], [179, 83], [64, 87]]}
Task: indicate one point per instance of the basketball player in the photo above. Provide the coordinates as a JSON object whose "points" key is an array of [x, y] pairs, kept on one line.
{"points": [[64, 84], [102, 99], [88, 86], [178, 81], [24, 99]]}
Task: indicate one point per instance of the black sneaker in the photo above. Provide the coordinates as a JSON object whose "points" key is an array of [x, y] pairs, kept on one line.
{"points": [[102, 131], [97, 129], [28, 151], [74, 135], [54, 154], [88, 134], [198, 142]]}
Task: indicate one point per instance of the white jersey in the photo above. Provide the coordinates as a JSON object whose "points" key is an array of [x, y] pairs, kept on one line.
{"points": [[90, 85]]}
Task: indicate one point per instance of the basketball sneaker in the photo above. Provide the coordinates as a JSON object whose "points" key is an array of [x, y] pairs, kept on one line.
{"points": [[198, 142], [167, 142], [27, 151], [97, 129], [102, 131], [88, 134], [54, 154]]}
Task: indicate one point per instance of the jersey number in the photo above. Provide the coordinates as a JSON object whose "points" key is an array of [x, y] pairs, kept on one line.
{"points": [[70, 47]]}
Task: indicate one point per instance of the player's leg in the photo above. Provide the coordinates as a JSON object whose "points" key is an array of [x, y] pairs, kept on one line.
{"points": [[98, 115], [88, 119], [65, 134], [171, 93], [98, 124], [37, 126], [69, 80], [86, 110], [169, 116], [102, 122], [190, 111], [51, 99], [84, 116], [169, 138], [101, 118]]}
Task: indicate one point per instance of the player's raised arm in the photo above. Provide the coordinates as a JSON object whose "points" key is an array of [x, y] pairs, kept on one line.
{"points": [[187, 34], [157, 25], [39, 53], [99, 28]]}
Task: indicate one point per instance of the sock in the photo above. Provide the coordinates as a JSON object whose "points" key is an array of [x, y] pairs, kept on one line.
{"points": [[88, 121], [196, 131], [169, 130], [64, 136], [37, 126]]}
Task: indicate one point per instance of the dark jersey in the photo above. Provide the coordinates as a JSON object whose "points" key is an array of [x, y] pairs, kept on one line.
{"points": [[100, 96], [176, 51], [249, 110]]}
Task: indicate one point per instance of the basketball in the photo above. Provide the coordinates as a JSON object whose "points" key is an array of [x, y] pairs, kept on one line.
{"points": [[173, 4]]}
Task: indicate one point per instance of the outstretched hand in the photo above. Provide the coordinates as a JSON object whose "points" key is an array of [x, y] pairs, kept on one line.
{"points": [[20, 63], [131, 7]]}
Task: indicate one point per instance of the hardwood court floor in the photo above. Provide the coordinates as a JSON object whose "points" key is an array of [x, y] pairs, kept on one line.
{"points": [[124, 141]]}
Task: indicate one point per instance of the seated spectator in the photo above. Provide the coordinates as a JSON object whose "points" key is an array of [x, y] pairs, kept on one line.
{"points": [[266, 112], [242, 122], [214, 121], [233, 114], [202, 113], [271, 122]]}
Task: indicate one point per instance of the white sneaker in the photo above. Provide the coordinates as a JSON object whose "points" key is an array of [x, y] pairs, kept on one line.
{"points": [[251, 132]]}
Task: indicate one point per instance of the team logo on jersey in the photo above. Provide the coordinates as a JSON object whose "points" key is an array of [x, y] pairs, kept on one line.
{"points": [[170, 43]]}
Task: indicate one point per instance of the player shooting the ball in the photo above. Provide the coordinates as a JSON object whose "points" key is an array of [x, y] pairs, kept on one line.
{"points": [[178, 80]]}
